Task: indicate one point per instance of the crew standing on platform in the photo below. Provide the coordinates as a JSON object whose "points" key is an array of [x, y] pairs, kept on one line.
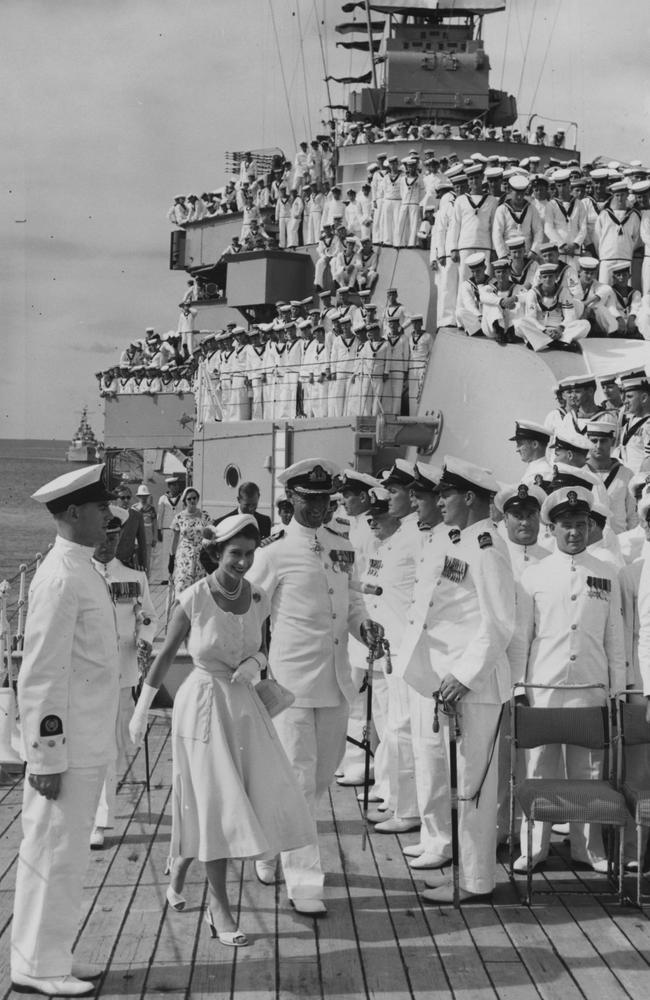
{"points": [[136, 627], [306, 574], [68, 691]]}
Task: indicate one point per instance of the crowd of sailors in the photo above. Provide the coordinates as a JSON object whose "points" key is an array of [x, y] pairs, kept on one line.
{"points": [[341, 357]]}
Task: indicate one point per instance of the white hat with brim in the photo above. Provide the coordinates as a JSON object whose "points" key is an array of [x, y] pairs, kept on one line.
{"points": [[568, 499], [87, 485], [461, 475], [231, 526], [519, 495], [310, 476]]}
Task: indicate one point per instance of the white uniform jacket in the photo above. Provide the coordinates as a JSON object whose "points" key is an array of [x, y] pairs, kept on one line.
{"points": [[462, 616], [68, 681], [305, 574], [569, 629], [134, 612]]}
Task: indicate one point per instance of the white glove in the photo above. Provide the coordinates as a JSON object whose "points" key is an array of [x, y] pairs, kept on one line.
{"points": [[248, 671], [139, 719]]}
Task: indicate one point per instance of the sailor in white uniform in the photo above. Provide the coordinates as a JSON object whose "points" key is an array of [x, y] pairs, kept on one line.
{"points": [[569, 631], [457, 632], [167, 508], [68, 690], [137, 623], [634, 443], [617, 231], [306, 571], [471, 223]]}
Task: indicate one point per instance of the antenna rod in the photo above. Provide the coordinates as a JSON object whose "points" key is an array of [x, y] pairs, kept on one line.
{"points": [[372, 50]]}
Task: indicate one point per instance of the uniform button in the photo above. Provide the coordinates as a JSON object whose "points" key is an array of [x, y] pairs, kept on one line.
{"points": [[331, 590], [415, 580], [410, 621], [574, 597], [430, 604], [34, 745], [572, 658], [51, 743], [336, 642], [438, 583], [573, 569], [333, 616], [573, 628]]}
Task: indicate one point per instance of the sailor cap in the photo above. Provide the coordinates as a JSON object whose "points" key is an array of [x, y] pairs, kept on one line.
{"points": [[561, 175], [344, 288], [549, 268], [475, 260], [453, 171], [426, 478], [571, 499], [640, 187], [458, 178], [548, 247], [607, 427], [620, 267], [414, 318], [444, 184], [492, 173], [570, 440], [365, 293], [515, 241], [474, 170], [518, 182], [501, 265], [636, 378], [461, 475], [588, 263], [599, 174], [577, 380], [310, 476], [519, 495], [528, 430], [578, 181], [400, 474], [87, 485], [618, 186]]}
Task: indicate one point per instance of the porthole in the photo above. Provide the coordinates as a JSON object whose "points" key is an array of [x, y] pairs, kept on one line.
{"points": [[232, 475]]}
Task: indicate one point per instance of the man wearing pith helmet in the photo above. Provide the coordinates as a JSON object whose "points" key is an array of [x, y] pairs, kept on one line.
{"points": [[306, 571], [457, 632], [569, 631], [68, 690]]}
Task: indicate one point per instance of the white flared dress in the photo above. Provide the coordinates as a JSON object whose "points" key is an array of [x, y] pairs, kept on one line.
{"points": [[234, 791]]}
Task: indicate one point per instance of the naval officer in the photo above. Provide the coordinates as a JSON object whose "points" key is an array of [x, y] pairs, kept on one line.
{"points": [[457, 631], [67, 701], [136, 627], [306, 572]]}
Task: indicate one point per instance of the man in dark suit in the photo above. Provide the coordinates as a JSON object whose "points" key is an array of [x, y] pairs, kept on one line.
{"points": [[132, 546], [248, 498]]}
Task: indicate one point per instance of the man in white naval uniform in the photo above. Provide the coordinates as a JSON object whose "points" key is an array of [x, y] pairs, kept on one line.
{"points": [[634, 443], [566, 221], [517, 217], [531, 441], [306, 572], [617, 232], [457, 632], [614, 475], [569, 631], [166, 511], [593, 300], [471, 223], [67, 701], [137, 623]]}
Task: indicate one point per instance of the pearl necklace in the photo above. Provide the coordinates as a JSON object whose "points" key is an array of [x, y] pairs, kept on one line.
{"points": [[228, 595]]}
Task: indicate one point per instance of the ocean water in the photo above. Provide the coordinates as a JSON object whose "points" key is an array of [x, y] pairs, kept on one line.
{"points": [[26, 527]]}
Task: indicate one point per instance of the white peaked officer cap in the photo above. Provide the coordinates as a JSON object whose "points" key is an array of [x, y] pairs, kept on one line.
{"points": [[531, 431], [569, 499], [461, 475], [568, 475], [426, 478], [402, 473], [310, 476], [566, 437], [82, 486], [519, 495], [358, 481]]}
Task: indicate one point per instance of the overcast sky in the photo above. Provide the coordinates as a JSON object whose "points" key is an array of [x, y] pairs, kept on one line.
{"points": [[110, 107]]}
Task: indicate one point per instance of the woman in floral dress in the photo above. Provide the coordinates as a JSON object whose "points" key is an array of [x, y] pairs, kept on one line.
{"points": [[187, 528]]}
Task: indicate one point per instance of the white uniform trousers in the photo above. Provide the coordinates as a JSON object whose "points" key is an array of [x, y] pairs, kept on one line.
{"points": [[532, 331], [390, 226], [283, 225], [257, 401], [293, 233], [447, 283], [431, 780], [582, 764], [323, 272], [268, 397], [337, 397], [378, 222], [52, 864], [313, 235], [106, 809], [391, 393], [470, 320], [477, 825], [286, 396], [409, 223], [319, 394], [314, 741], [399, 750]]}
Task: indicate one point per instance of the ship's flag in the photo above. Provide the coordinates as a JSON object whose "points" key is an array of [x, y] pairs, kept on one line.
{"points": [[360, 46], [376, 27], [366, 78]]}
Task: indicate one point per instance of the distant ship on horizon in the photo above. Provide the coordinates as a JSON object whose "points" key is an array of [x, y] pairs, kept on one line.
{"points": [[84, 447]]}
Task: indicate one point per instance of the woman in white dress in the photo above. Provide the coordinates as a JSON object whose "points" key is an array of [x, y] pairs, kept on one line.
{"points": [[234, 794]]}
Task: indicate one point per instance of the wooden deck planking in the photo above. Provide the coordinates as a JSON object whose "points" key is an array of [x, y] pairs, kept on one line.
{"points": [[377, 941]]}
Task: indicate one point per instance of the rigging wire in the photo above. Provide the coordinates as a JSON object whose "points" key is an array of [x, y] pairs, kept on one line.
{"points": [[505, 46], [548, 46], [322, 52], [523, 65], [284, 80], [304, 70]]}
